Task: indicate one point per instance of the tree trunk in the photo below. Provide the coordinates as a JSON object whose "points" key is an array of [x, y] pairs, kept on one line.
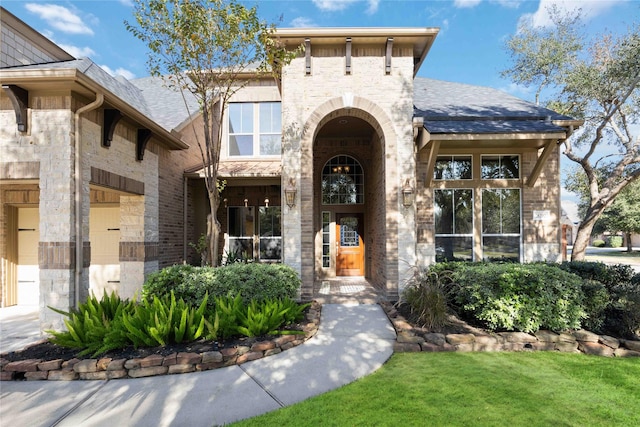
{"points": [[213, 230], [629, 246], [584, 234]]}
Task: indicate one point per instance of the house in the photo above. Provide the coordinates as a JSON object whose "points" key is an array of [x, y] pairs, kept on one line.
{"points": [[348, 165]]}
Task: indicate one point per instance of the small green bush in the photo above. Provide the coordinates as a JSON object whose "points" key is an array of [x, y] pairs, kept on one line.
{"points": [[614, 241], [523, 297], [249, 280], [598, 243]]}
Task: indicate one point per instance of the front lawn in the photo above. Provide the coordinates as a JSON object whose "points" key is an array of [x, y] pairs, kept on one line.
{"points": [[418, 389]]}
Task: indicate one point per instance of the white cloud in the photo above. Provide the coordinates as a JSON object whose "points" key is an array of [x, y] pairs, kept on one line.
{"points": [[60, 18], [338, 5], [462, 4], [590, 10], [78, 52], [119, 72], [302, 22], [517, 90], [126, 2]]}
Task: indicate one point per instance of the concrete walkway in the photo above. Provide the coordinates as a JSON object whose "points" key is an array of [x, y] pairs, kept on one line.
{"points": [[352, 341]]}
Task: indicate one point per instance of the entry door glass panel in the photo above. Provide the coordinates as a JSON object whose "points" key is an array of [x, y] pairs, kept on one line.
{"points": [[350, 245], [241, 230]]}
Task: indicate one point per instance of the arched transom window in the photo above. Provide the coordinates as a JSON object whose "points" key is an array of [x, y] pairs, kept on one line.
{"points": [[342, 181]]}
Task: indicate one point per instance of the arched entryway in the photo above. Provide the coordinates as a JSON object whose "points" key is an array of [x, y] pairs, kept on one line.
{"points": [[349, 198]]}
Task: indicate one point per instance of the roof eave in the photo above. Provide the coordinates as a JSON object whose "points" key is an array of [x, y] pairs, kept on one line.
{"points": [[18, 77]]}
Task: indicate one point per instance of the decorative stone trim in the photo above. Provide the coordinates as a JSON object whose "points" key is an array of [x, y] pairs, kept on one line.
{"points": [[139, 251], [114, 181], [62, 255], [176, 363], [410, 339]]}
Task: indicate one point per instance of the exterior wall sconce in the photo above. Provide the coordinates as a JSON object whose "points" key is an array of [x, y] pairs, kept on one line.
{"points": [[407, 194], [290, 193]]}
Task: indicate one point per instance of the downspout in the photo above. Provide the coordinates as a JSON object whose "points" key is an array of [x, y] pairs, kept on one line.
{"points": [[78, 196]]}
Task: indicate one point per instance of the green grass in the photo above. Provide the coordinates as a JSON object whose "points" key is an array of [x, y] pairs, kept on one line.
{"points": [[485, 389]]}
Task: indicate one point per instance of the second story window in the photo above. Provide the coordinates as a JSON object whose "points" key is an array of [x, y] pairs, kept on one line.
{"points": [[255, 129]]}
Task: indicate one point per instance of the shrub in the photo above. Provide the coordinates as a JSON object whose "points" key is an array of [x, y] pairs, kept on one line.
{"points": [[520, 297], [598, 243], [250, 281], [596, 302], [186, 281], [614, 241], [621, 316], [428, 296], [255, 281]]}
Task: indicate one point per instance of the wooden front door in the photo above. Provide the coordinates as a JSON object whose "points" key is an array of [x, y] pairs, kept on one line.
{"points": [[349, 245]]}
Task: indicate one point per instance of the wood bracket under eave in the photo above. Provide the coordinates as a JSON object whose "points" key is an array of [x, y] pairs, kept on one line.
{"points": [[387, 56], [537, 169], [20, 102], [141, 143], [433, 156], [111, 119], [307, 56], [348, 56]]}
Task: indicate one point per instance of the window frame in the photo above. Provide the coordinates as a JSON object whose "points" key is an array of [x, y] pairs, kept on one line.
{"points": [[452, 160], [454, 235], [256, 132], [500, 157]]}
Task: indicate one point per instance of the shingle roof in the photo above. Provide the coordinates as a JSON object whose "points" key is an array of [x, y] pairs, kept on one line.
{"points": [[167, 106], [461, 108]]}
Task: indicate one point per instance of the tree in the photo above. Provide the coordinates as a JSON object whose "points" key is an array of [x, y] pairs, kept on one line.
{"points": [[623, 215], [208, 49], [597, 82]]}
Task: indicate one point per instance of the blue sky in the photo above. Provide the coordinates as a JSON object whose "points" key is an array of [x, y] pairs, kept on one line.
{"points": [[469, 48]]}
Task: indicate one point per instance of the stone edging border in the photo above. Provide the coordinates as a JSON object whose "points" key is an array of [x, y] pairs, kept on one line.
{"points": [[176, 363], [410, 339]]}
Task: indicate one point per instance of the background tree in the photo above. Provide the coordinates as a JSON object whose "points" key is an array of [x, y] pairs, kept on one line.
{"points": [[597, 82], [207, 49]]}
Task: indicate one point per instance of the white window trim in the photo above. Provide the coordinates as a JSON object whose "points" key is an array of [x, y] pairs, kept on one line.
{"points": [[255, 133]]}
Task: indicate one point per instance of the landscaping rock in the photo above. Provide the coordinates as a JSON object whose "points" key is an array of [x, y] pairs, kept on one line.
{"points": [[624, 352], [36, 376], [406, 347], [116, 365], [585, 336], [212, 356], [632, 345], [263, 345], [188, 358], [435, 338], [609, 341], [103, 364], [455, 339], [181, 369], [30, 365], [101, 375], [152, 360], [547, 336], [594, 348], [247, 357], [407, 337], [148, 372], [64, 375], [88, 365], [567, 347], [50, 365], [518, 337]]}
